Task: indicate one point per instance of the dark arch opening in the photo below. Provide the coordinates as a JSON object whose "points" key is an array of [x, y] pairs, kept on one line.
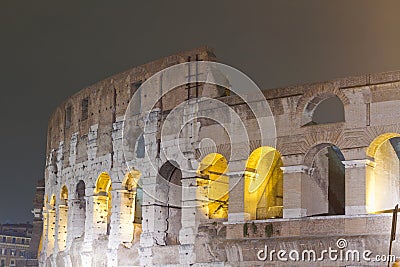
{"points": [[323, 109], [170, 177], [325, 185], [80, 194]]}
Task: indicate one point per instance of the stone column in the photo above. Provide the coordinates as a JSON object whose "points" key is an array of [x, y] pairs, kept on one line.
{"points": [[293, 177], [51, 232], [100, 215], [62, 224], [237, 210], [91, 231], [358, 181], [122, 217], [76, 221], [194, 210], [45, 241], [154, 224]]}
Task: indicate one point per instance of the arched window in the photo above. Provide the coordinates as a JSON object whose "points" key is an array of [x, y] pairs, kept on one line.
{"points": [[264, 184], [212, 169], [322, 109], [325, 182]]}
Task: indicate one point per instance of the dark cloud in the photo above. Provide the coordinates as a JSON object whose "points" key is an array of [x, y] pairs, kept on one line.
{"points": [[51, 49]]}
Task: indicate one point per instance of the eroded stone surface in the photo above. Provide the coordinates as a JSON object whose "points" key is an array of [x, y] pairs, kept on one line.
{"points": [[98, 226]]}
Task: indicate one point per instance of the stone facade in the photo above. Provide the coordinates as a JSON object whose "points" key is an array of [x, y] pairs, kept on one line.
{"points": [[325, 180]]}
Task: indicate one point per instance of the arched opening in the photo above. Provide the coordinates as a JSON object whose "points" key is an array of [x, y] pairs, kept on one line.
{"points": [[53, 201], [78, 210], [383, 175], [62, 219], [322, 109], [323, 190], [169, 177], [212, 169], [103, 199], [264, 184], [131, 217], [80, 195]]}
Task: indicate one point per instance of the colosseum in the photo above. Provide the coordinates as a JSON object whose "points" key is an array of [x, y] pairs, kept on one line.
{"points": [[120, 194]]}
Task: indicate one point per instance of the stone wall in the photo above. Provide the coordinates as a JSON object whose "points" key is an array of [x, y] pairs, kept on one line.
{"points": [[108, 220]]}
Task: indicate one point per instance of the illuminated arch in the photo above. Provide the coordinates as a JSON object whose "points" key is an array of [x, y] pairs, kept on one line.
{"points": [[103, 183], [264, 184], [383, 173], [64, 195], [131, 221], [103, 200], [131, 184], [52, 201], [212, 168], [378, 141]]}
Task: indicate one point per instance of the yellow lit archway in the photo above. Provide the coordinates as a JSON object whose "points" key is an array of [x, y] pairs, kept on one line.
{"points": [[53, 201], [103, 183], [131, 221], [264, 184], [383, 173], [213, 168], [64, 195], [104, 199]]}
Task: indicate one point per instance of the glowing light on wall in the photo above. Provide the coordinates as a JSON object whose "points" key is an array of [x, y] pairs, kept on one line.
{"points": [[264, 184], [382, 174], [212, 168], [62, 219], [103, 202]]}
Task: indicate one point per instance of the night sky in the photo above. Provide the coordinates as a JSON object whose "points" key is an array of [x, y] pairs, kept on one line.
{"points": [[52, 49]]}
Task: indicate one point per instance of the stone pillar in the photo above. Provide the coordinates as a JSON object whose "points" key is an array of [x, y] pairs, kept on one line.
{"points": [[51, 232], [154, 223], [293, 177], [100, 214], [194, 210], [76, 221], [122, 217], [62, 224], [91, 231], [237, 210], [95, 225], [358, 181], [45, 241], [56, 232]]}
